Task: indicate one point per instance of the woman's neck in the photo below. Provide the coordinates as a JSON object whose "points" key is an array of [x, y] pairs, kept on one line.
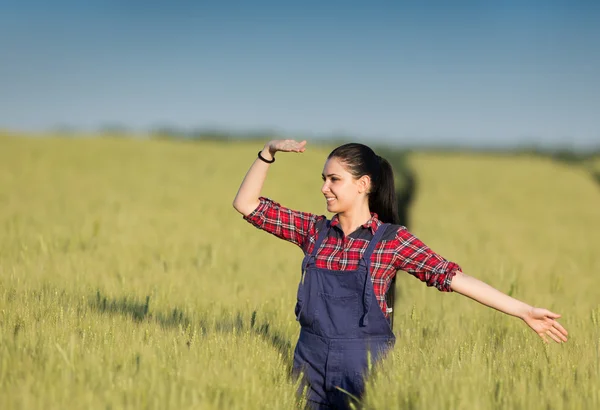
{"points": [[351, 220]]}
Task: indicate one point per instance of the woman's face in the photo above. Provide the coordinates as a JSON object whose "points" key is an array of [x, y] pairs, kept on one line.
{"points": [[341, 190]]}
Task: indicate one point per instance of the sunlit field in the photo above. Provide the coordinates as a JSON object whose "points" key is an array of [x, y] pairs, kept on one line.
{"points": [[127, 280]]}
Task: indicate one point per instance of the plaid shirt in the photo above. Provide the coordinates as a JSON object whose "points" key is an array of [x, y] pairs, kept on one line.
{"points": [[398, 249]]}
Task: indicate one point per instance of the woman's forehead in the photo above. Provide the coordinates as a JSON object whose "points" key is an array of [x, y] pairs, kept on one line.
{"points": [[334, 166]]}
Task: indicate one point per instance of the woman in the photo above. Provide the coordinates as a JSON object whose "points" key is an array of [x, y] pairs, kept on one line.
{"points": [[348, 265]]}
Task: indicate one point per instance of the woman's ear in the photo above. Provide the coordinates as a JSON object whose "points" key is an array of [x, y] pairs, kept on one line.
{"points": [[364, 184]]}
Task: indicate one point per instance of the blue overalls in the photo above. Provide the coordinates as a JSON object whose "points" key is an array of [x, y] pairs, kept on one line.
{"points": [[342, 328]]}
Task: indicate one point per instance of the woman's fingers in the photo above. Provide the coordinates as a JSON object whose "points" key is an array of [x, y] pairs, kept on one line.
{"points": [[552, 315], [553, 336], [302, 146], [290, 146], [558, 333], [299, 146], [553, 330], [561, 329]]}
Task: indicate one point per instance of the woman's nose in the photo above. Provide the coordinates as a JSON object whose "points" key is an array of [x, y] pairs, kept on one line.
{"points": [[324, 188]]}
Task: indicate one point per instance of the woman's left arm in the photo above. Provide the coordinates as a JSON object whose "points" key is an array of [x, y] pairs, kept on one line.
{"points": [[542, 321]]}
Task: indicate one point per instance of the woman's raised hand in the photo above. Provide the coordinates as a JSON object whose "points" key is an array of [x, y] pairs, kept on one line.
{"points": [[285, 146]]}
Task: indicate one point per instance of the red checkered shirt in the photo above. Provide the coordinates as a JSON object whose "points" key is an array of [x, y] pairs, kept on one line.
{"points": [[398, 249]]}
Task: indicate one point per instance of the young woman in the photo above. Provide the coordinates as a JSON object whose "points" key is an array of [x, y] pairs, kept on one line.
{"points": [[349, 263]]}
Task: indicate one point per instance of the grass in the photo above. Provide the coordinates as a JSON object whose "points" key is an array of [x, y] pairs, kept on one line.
{"points": [[127, 280]]}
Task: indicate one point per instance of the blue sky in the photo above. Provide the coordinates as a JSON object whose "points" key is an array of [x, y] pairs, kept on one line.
{"points": [[468, 72]]}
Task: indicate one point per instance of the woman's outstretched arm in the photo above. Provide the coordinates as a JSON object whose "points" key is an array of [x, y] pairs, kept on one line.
{"points": [[246, 199], [542, 321]]}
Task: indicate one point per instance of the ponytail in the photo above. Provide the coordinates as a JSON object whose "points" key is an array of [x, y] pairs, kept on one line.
{"points": [[383, 199]]}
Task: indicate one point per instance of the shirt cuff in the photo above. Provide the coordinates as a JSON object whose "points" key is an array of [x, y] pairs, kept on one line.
{"points": [[256, 217], [445, 285]]}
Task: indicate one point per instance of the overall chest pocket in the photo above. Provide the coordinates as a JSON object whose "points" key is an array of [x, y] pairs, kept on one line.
{"points": [[337, 315]]}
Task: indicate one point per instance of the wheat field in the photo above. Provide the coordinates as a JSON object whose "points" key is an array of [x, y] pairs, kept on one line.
{"points": [[128, 281]]}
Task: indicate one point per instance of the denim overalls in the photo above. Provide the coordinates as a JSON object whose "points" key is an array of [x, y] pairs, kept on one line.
{"points": [[342, 328]]}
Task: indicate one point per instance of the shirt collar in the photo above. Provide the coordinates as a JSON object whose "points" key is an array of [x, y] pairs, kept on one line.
{"points": [[372, 224]]}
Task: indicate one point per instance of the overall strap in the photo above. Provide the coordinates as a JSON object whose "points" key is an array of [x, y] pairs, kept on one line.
{"points": [[368, 289], [373, 243], [307, 258], [320, 238]]}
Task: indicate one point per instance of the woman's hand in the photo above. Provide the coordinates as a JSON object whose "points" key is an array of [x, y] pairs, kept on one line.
{"points": [[544, 323], [285, 146]]}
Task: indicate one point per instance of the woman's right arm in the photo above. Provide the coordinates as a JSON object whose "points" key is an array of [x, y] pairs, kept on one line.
{"points": [[246, 199], [267, 215]]}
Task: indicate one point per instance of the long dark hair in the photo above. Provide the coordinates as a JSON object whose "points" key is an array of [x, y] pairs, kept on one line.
{"points": [[361, 160]]}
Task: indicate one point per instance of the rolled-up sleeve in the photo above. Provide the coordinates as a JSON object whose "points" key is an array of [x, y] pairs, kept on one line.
{"points": [[416, 258], [288, 224]]}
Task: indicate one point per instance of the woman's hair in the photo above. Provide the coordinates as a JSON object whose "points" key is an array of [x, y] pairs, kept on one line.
{"points": [[361, 160]]}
